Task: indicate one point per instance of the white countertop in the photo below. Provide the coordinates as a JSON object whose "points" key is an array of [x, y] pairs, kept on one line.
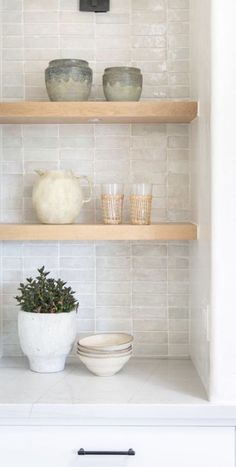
{"points": [[147, 391]]}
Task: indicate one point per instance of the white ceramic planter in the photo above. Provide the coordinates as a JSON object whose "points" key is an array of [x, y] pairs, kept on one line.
{"points": [[47, 339]]}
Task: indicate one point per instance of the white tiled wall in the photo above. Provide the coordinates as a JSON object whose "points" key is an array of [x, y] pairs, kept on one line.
{"points": [[151, 34], [138, 287]]}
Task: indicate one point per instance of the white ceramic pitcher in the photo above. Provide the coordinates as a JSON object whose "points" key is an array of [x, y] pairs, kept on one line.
{"points": [[58, 197]]}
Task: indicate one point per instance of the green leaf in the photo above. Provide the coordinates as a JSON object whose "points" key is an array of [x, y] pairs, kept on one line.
{"points": [[46, 295]]}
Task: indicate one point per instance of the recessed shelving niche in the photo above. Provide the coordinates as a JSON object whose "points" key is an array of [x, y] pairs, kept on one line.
{"points": [[35, 112], [37, 232], [98, 112]]}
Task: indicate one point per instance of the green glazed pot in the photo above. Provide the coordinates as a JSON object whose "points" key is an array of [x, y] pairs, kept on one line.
{"points": [[122, 83], [68, 80]]}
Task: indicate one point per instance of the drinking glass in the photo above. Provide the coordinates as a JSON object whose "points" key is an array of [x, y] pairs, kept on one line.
{"points": [[112, 202], [141, 203]]}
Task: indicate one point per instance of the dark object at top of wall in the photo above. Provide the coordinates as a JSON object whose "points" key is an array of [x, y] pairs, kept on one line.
{"points": [[98, 6]]}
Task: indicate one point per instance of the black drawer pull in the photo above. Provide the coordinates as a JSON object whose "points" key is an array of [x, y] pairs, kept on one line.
{"points": [[82, 452]]}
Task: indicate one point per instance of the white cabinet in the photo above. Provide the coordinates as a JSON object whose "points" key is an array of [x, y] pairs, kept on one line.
{"points": [[154, 447]]}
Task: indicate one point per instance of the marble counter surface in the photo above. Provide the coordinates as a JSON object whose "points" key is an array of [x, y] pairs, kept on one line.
{"points": [[142, 381], [146, 391]]}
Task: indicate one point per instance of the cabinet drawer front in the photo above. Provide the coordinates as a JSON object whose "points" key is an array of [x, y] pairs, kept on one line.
{"points": [[154, 447]]}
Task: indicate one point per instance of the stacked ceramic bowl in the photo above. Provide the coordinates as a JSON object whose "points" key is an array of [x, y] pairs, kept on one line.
{"points": [[105, 354]]}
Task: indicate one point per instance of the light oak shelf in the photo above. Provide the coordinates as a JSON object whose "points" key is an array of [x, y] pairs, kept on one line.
{"points": [[98, 112], [38, 232]]}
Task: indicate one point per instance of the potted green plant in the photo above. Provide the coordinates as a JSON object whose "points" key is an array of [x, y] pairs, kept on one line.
{"points": [[46, 322]]}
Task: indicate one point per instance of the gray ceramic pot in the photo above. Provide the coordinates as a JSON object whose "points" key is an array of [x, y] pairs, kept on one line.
{"points": [[68, 80], [122, 84]]}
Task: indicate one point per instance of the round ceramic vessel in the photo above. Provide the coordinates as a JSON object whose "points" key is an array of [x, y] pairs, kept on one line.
{"points": [[47, 339], [90, 353], [111, 341], [57, 196], [122, 84], [102, 352], [102, 366], [68, 80]]}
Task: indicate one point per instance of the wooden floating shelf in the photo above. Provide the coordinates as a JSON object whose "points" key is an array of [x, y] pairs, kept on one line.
{"points": [[98, 112], [38, 232]]}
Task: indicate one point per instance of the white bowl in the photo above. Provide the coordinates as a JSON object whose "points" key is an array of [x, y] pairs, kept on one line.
{"points": [[102, 352], [119, 341], [105, 366], [107, 355]]}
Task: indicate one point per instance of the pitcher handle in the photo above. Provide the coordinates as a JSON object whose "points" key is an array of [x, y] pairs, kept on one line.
{"points": [[90, 188], [40, 172]]}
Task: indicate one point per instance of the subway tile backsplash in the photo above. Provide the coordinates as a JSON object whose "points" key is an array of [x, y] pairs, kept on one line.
{"points": [[136, 287]]}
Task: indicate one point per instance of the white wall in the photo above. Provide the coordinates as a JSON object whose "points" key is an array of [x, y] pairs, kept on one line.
{"points": [[214, 197], [223, 201], [201, 182]]}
